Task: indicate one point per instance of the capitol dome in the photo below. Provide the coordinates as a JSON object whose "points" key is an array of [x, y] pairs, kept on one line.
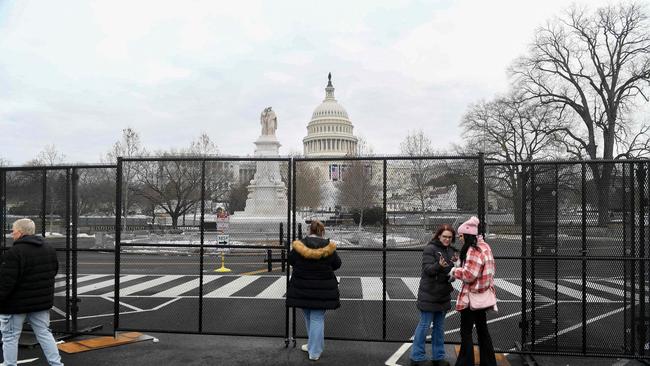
{"points": [[330, 131]]}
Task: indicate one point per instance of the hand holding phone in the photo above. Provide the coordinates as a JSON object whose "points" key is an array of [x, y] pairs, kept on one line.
{"points": [[443, 263]]}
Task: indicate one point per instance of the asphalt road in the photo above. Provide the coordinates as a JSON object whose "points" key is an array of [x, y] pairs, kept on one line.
{"points": [[161, 293]]}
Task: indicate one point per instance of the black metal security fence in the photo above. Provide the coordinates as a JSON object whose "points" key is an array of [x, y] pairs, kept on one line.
{"points": [[570, 240], [380, 212], [204, 272], [68, 204], [578, 232]]}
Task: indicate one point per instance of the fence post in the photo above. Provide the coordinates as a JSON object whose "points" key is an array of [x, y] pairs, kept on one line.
{"points": [[118, 239], [642, 317], [584, 253], [383, 275], [202, 248], [68, 252], [523, 181], [73, 227], [481, 193], [3, 209], [44, 201]]}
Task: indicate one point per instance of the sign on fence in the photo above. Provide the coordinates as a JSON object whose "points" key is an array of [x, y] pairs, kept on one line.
{"points": [[223, 239]]}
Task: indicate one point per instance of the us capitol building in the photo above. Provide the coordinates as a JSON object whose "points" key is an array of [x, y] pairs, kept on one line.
{"points": [[330, 131], [330, 134]]}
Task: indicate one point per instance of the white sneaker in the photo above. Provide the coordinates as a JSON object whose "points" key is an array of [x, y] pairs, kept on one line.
{"points": [[314, 358], [304, 348]]}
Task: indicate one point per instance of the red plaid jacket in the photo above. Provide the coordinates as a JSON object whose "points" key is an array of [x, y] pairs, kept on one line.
{"points": [[477, 273]]}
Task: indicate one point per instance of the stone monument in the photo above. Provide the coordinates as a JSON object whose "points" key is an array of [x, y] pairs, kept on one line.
{"points": [[267, 193]]}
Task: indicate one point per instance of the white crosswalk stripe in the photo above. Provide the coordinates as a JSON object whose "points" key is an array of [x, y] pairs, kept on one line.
{"points": [[371, 287], [85, 278], [231, 287], [96, 286], [413, 283], [185, 286], [569, 291], [275, 291], [516, 290], [144, 285], [597, 286]]}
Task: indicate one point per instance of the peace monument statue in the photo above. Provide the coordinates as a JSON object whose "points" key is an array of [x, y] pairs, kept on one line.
{"points": [[267, 193], [269, 122]]}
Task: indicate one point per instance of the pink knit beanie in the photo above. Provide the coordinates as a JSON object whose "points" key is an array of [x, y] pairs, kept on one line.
{"points": [[470, 226]]}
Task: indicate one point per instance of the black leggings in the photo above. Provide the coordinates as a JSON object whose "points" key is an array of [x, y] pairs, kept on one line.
{"points": [[469, 318]]}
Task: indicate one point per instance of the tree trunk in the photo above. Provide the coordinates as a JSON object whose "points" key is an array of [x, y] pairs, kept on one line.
{"points": [[424, 213], [360, 219], [602, 187], [516, 207], [515, 183], [126, 204], [603, 202], [174, 217]]}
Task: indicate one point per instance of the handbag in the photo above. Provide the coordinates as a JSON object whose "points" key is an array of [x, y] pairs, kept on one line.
{"points": [[483, 300]]}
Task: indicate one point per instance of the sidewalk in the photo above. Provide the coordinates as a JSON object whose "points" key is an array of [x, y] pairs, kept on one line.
{"points": [[186, 350]]}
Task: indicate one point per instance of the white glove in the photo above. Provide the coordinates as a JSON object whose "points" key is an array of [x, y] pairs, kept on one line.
{"points": [[451, 273], [451, 277]]}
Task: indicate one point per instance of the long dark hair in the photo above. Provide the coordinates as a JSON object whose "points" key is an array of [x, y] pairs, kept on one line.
{"points": [[441, 229], [317, 228], [470, 241]]}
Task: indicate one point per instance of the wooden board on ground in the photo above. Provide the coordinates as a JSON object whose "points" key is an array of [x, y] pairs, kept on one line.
{"points": [[103, 342]]}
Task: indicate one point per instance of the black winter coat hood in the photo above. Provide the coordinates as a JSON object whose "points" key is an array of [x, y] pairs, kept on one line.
{"points": [[27, 273], [31, 239], [313, 284]]}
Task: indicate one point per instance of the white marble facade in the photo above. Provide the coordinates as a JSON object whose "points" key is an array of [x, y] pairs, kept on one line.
{"points": [[330, 131]]}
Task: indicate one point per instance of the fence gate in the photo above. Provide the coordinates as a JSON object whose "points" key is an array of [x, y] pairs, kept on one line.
{"points": [[52, 197], [584, 258]]}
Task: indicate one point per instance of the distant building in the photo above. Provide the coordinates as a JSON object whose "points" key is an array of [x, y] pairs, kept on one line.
{"points": [[330, 131]]}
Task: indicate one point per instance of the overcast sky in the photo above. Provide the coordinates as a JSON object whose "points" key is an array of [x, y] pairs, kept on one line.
{"points": [[76, 75]]}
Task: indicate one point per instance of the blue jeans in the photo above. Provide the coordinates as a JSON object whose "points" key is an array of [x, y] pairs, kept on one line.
{"points": [[11, 326], [418, 353], [315, 324]]}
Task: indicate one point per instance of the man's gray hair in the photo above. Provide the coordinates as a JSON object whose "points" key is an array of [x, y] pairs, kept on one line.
{"points": [[25, 226]]}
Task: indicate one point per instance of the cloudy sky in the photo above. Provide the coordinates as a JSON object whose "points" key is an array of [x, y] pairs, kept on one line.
{"points": [[76, 75]]}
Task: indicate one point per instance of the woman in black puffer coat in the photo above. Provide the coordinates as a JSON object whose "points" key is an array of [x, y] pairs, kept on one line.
{"points": [[313, 285], [434, 296]]}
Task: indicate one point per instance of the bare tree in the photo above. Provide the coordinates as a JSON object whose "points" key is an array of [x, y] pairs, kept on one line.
{"points": [[308, 185], [50, 155], [421, 172], [172, 185], [595, 67], [363, 147], [204, 146], [218, 175], [358, 190], [175, 185], [96, 191], [129, 146], [510, 130]]}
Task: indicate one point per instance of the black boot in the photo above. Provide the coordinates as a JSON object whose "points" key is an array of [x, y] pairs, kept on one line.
{"points": [[422, 363]]}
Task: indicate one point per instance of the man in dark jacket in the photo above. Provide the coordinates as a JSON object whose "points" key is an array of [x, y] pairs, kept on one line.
{"points": [[27, 273]]}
